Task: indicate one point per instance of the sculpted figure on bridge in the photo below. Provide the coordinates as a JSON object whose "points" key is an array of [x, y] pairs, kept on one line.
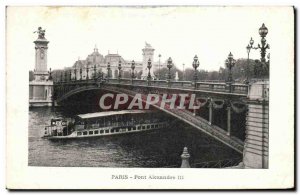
{"points": [[148, 45], [41, 33]]}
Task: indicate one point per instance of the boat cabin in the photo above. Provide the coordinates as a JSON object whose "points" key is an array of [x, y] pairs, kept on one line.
{"points": [[114, 118]]}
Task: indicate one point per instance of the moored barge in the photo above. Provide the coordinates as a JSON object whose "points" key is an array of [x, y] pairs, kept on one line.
{"points": [[105, 123]]}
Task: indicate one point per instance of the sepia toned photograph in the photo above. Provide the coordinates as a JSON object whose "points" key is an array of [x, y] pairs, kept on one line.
{"points": [[169, 87]]}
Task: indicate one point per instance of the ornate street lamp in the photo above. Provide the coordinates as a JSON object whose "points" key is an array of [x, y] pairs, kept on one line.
{"points": [[80, 71], [169, 66], [95, 76], [159, 66], [132, 70], [108, 70], [50, 75], [70, 75], [196, 64], [230, 62], [263, 31], [61, 76], [149, 67], [87, 72], [248, 52], [183, 72], [75, 72], [119, 67]]}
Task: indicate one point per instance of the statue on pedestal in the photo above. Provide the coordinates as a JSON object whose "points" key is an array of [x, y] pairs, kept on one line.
{"points": [[41, 33], [147, 45]]}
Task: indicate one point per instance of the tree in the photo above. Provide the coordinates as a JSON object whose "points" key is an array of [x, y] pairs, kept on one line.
{"points": [[162, 74]]}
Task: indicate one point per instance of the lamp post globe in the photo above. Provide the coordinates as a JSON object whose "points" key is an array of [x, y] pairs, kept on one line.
{"points": [[263, 30], [230, 56], [251, 42], [248, 48], [195, 62], [248, 52]]}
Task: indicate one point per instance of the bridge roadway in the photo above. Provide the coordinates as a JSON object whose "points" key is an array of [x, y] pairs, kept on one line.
{"points": [[67, 89]]}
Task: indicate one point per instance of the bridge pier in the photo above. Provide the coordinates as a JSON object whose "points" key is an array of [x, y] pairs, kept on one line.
{"points": [[256, 148]]}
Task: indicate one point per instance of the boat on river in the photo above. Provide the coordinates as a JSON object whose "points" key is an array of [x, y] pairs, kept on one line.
{"points": [[105, 124]]}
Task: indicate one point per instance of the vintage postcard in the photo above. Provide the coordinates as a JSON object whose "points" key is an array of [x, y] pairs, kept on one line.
{"points": [[150, 97]]}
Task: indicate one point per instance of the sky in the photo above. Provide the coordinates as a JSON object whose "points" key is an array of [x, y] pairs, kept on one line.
{"points": [[176, 32]]}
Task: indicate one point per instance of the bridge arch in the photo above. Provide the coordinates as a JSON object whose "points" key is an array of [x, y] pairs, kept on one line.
{"points": [[75, 91], [186, 116], [195, 121]]}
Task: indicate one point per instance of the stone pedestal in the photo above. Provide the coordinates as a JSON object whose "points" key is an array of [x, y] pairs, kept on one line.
{"points": [[148, 53], [40, 93], [185, 159], [256, 149], [41, 88]]}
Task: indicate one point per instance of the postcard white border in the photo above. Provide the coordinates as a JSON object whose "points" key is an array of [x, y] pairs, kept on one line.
{"points": [[279, 175]]}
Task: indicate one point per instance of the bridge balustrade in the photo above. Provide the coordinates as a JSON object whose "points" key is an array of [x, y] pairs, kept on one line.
{"points": [[240, 88], [125, 81], [162, 83], [179, 84], [64, 88], [139, 82]]}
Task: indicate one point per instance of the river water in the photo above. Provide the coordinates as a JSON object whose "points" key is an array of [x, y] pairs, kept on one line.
{"points": [[158, 148]]}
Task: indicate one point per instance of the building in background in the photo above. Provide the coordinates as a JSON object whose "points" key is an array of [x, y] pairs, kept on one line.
{"points": [[98, 62]]}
